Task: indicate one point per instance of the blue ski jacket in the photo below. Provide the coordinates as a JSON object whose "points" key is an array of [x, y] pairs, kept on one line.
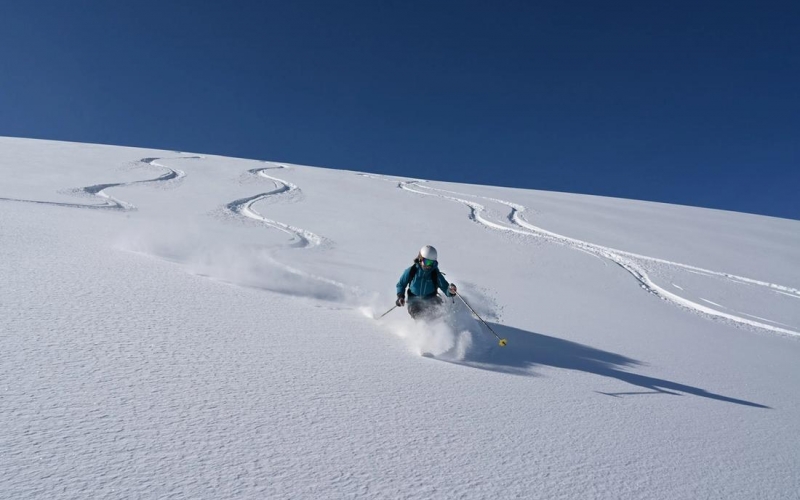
{"points": [[422, 285]]}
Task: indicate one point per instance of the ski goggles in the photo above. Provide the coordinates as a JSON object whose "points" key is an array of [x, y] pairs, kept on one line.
{"points": [[428, 262]]}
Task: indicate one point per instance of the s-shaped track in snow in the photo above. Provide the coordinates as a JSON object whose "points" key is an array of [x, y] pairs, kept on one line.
{"points": [[108, 201], [629, 261], [302, 237], [244, 206]]}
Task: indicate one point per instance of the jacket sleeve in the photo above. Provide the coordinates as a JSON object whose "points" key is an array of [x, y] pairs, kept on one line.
{"points": [[444, 285], [403, 283]]}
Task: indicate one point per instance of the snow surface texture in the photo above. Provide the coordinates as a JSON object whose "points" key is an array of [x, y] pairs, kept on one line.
{"points": [[192, 326]]}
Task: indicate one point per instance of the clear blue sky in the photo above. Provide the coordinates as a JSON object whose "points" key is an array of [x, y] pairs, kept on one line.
{"points": [[691, 102]]}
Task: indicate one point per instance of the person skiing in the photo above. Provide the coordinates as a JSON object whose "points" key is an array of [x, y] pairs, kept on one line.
{"points": [[423, 280]]}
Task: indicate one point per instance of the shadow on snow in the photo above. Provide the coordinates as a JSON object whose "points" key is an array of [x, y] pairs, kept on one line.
{"points": [[528, 349]]}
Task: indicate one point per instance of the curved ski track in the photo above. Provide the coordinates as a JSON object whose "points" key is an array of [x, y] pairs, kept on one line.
{"points": [[302, 237], [626, 260], [109, 202], [244, 206]]}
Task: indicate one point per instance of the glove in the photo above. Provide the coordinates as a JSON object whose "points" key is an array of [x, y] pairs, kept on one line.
{"points": [[452, 289], [401, 301]]}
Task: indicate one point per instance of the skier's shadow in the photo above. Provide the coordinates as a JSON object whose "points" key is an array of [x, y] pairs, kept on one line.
{"points": [[526, 350]]}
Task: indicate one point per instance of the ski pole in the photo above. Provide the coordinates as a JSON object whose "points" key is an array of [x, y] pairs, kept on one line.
{"points": [[502, 342], [387, 312]]}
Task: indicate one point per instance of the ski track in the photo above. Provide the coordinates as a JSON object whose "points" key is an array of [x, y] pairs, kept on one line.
{"points": [[788, 294], [630, 262], [109, 202], [712, 303], [302, 238], [765, 319], [244, 206]]}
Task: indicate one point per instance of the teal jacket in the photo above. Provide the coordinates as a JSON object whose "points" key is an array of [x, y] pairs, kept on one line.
{"points": [[422, 285]]}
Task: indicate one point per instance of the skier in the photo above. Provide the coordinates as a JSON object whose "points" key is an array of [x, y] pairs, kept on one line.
{"points": [[423, 280]]}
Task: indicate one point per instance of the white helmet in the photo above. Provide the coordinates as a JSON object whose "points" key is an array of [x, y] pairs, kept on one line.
{"points": [[428, 252]]}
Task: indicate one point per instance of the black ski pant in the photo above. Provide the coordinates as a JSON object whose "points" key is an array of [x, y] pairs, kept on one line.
{"points": [[424, 307]]}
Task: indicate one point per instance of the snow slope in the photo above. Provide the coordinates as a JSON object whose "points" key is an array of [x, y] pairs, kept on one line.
{"points": [[193, 326]]}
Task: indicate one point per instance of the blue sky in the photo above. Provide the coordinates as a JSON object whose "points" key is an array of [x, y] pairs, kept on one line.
{"points": [[686, 102]]}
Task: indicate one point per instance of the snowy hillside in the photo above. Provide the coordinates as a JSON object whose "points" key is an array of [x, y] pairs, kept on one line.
{"points": [[191, 326]]}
